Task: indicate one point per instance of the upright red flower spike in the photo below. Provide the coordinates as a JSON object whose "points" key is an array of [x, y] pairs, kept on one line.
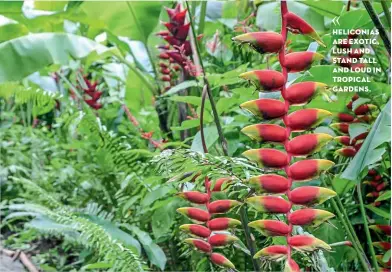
{"points": [[300, 146]]}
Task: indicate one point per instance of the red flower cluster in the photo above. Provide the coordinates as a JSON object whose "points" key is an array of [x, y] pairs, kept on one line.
{"points": [[361, 114], [206, 239], [301, 146], [176, 53], [91, 94]]}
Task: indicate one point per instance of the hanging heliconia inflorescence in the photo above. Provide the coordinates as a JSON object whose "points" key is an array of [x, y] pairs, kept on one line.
{"points": [[383, 246], [360, 114], [271, 185], [175, 54], [208, 232]]}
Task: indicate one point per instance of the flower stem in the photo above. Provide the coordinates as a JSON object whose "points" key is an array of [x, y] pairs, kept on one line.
{"points": [[351, 235], [383, 34], [366, 227]]}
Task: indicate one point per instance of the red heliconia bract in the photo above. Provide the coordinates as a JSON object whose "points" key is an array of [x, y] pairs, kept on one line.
{"points": [[221, 260], [349, 105], [311, 217], [291, 266], [269, 204], [307, 243], [341, 127], [266, 133], [297, 25], [219, 183], [270, 227], [163, 55], [307, 144], [382, 245], [344, 140], [274, 253], [372, 172], [308, 169], [300, 61], [310, 195], [364, 109], [305, 119], [196, 230], [267, 157], [199, 244], [345, 117], [194, 197], [222, 223], [265, 108], [347, 152], [385, 229], [262, 42], [222, 206], [361, 136], [196, 214], [264, 80], [270, 183], [301, 93], [220, 240]]}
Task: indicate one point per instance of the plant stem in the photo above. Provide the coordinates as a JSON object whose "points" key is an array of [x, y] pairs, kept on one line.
{"points": [[351, 235], [210, 96], [222, 139], [203, 10], [386, 12], [366, 227], [383, 34], [360, 254], [248, 238]]}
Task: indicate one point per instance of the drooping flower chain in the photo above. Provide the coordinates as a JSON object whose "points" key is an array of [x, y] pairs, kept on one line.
{"points": [[210, 236], [304, 145]]}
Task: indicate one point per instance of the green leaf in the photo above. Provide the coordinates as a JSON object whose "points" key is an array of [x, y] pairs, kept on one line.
{"points": [[154, 252], [341, 186], [133, 19], [326, 8], [369, 152], [356, 129], [50, 5], [187, 124], [137, 93], [182, 86], [125, 238], [387, 257], [381, 212], [156, 194], [12, 31], [211, 136], [384, 196], [42, 49], [100, 265], [164, 217]]}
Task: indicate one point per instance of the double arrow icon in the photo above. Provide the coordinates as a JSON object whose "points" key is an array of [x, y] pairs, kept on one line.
{"points": [[335, 21]]}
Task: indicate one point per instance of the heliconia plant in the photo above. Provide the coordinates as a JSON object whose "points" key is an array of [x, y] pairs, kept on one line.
{"points": [[300, 146], [175, 54], [204, 230]]}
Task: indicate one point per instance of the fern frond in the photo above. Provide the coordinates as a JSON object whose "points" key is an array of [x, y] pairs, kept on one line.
{"points": [[92, 235], [42, 101]]}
